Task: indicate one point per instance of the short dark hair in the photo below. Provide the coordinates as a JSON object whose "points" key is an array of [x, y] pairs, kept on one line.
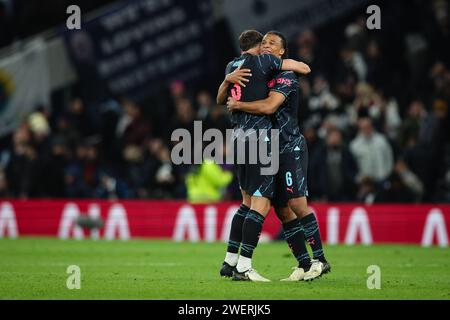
{"points": [[249, 39], [283, 42]]}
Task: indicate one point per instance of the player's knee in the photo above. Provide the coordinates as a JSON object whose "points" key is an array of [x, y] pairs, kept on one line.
{"points": [[284, 214], [299, 206], [260, 205]]}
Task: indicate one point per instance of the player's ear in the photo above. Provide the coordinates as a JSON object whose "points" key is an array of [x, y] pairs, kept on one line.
{"points": [[282, 51]]}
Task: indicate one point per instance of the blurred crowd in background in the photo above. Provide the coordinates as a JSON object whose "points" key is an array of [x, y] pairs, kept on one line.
{"points": [[374, 112]]}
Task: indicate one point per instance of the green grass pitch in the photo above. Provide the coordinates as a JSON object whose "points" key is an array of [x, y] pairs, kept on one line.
{"points": [[35, 268]]}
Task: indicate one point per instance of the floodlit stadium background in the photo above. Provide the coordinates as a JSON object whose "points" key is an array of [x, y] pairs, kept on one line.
{"points": [[86, 115]]}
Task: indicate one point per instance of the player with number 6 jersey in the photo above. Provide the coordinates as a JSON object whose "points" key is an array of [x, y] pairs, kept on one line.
{"points": [[291, 180], [257, 189]]}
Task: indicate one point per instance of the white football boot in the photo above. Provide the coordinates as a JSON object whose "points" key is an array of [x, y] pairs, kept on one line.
{"points": [[297, 275], [249, 275], [315, 271]]}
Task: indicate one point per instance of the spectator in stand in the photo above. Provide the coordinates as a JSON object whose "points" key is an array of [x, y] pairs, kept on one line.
{"points": [[352, 62], [365, 104], [111, 187], [135, 172], [184, 117], [4, 188], [132, 127], [205, 104], [345, 86], [372, 152], [431, 144], [167, 106], [393, 190], [409, 180], [54, 168], [322, 100], [383, 112], [40, 130], [73, 177], [150, 170], [432, 129], [420, 162], [212, 115], [304, 96], [306, 44], [218, 119], [312, 139], [367, 191], [333, 170], [163, 181], [66, 131], [23, 168], [78, 118], [356, 34], [421, 136], [409, 129], [377, 72], [389, 115], [83, 172]]}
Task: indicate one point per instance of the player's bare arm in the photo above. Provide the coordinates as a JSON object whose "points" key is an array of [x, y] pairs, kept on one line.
{"points": [[238, 76], [222, 92], [264, 107], [296, 66]]}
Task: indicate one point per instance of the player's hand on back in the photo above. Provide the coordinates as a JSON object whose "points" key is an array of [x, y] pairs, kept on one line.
{"points": [[239, 76]]}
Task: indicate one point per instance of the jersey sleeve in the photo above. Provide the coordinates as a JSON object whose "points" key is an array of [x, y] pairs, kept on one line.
{"points": [[285, 83], [269, 63], [228, 68]]}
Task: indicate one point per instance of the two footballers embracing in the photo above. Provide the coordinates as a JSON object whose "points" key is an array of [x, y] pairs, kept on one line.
{"points": [[261, 92]]}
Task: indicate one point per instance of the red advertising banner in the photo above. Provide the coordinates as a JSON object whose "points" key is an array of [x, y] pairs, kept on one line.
{"points": [[339, 223]]}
